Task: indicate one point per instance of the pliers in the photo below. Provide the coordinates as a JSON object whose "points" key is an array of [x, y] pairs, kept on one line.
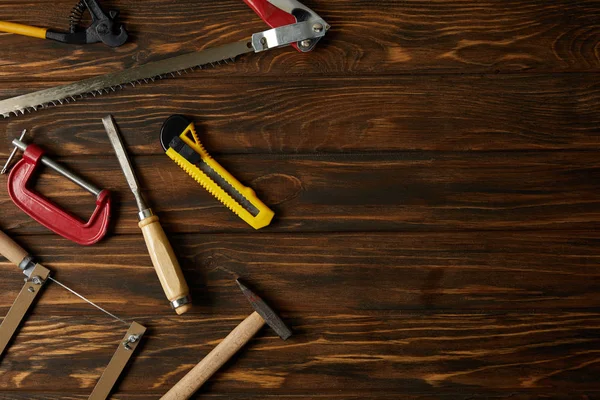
{"points": [[104, 28]]}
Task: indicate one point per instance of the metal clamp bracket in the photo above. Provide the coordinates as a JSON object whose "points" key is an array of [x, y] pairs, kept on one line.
{"points": [[306, 34]]}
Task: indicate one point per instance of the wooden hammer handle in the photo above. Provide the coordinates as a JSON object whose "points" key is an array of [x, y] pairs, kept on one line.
{"points": [[11, 250], [216, 358]]}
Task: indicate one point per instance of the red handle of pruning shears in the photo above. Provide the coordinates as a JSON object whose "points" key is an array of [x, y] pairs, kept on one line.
{"points": [[49, 214], [271, 14]]}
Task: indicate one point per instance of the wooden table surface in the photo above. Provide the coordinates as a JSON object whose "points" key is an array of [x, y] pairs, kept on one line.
{"points": [[434, 170]]}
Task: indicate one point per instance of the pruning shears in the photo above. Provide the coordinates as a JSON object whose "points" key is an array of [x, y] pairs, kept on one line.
{"points": [[104, 27]]}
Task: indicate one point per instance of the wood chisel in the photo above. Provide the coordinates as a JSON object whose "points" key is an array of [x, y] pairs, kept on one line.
{"points": [[162, 254], [293, 24], [36, 277], [180, 141]]}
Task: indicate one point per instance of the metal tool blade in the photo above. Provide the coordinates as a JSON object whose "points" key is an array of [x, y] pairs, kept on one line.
{"points": [[117, 144], [88, 301], [228, 188], [169, 67]]}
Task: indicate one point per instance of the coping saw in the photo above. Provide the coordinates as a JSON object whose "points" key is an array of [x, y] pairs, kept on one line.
{"points": [[293, 24], [37, 275]]}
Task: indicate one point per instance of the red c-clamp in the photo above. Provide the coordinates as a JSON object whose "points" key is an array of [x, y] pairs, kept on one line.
{"points": [[49, 214]]}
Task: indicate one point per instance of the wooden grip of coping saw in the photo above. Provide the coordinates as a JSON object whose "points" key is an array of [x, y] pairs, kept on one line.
{"points": [[210, 364], [11, 250], [165, 262]]}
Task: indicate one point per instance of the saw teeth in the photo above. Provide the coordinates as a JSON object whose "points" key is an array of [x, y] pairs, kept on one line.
{"points": [[99, 92]]}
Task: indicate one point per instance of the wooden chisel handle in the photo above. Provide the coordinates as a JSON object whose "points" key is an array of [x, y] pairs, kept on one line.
{"points": [[11, 250], [210, 364], [165, 262]]}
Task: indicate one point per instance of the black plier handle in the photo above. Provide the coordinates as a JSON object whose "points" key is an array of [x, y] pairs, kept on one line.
{"points": [[104, 28]]}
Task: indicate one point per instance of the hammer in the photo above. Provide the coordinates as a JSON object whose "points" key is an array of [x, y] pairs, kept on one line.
{"points": [[236, 339]]}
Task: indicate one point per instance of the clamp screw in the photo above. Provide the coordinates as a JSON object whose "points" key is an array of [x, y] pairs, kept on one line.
{"points": [[37, 280], [318, 28], [305, 43], [12, 154]]}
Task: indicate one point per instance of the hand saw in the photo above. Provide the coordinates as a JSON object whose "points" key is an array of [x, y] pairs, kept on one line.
{"points": [[292, 23]]}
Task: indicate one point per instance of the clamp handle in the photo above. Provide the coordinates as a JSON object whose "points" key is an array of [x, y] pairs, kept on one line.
{"points": [[49, 214]]}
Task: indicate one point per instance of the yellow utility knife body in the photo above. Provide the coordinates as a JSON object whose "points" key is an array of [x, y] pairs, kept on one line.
{"points": [[180, 141]]}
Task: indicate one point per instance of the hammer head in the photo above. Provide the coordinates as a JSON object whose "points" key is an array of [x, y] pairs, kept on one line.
{"points": [[266, 312]]}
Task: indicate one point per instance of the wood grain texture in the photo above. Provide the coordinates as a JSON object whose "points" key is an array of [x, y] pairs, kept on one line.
{"points": [[372, 192], [367, 37], [335, 273], [269, 115], [433, 167], [411, 354]]}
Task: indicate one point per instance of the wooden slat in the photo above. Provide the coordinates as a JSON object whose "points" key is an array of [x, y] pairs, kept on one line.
{"points": [[433, 168], [367, 37], [335, 273], [451, 113], [370, 395], [402, 191], [384, 353]]}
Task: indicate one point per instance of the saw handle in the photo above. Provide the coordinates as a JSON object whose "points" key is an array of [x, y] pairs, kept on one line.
{"points": [[210, 364], [272, 15], [165, 262], [11, 250]]}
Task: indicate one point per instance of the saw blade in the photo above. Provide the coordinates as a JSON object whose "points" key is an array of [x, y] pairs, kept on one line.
{"points": [[168, 67]]}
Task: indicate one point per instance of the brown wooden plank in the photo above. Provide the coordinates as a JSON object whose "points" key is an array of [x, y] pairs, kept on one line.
{"points": [[450, 113], [368, 37], [370, 395], [335, 273], [385, 353], [402, 191], [522, 395]]}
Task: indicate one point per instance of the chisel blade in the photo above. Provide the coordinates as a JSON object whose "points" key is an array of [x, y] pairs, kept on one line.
{"points": [[117, 144]]}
